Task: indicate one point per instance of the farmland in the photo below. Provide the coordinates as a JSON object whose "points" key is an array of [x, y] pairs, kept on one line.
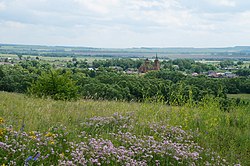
{"points": [[236, 53]]}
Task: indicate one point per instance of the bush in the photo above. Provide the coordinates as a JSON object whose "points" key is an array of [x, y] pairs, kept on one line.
{"points": [[58, 86]]}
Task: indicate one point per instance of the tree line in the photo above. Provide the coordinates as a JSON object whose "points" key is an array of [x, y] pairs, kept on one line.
{"points": [[171, 87]]}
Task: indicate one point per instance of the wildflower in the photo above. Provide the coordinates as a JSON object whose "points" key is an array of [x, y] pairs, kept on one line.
{"points": [[49, 134], [27, 160], [1, 120], [32, 133], [44, 157], [3, 145], [52, 142], [2, 131], [61, 155], [36, 156]]}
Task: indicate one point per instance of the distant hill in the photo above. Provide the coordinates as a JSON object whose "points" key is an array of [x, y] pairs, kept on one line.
{"points": [[237, 52]]}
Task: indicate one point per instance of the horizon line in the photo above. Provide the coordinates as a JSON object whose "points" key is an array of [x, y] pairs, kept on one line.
{"points": [[133, 47]]}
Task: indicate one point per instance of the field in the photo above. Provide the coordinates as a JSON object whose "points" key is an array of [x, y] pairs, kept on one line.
{"points": [[120, 133], [235, 53], [8, 56], [241, 96], [55, 60], [90, 59], [47, 58]]}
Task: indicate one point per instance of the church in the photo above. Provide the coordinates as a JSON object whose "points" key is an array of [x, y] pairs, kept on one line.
{"points": [[147, 66]]}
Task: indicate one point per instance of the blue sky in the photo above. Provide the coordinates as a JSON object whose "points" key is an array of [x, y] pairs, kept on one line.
{"points": [[126, 23]]}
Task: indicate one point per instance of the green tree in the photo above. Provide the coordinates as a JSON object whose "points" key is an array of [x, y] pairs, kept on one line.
{"points": [[20, 56], [54, 84], [243, 72], [226, 63], [15, 78]]}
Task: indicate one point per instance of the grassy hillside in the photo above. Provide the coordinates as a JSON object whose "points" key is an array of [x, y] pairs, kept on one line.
{"points": [[119, 133]]}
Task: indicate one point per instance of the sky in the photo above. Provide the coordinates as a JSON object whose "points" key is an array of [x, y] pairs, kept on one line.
{"points": [[126, 23]]}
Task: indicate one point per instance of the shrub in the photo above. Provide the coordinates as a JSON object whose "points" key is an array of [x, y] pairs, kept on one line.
{"points": [[56, 85]]}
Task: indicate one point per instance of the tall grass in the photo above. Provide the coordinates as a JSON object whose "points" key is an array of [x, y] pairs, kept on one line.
{"points": [[226, 133], [40, 114]]}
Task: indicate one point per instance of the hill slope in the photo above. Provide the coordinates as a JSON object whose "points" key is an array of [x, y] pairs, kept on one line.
{"points": [[118, 133]]}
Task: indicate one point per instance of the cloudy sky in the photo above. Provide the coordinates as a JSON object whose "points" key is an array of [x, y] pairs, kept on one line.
{"points": [[126, 23]]}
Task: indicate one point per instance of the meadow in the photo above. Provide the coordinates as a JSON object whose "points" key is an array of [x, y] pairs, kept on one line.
{"points": [[245, 97], [87, 132]]}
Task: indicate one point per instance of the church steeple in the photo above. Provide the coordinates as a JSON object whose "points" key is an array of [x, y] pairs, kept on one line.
{"points": [[156, 57], [156, 63], [147, 66]]}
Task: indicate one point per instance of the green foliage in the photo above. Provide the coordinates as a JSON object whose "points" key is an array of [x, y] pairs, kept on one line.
{"points": [[54, 84], [237, 85], [187, 65], [240, 63], [105, 83], [174, 76], [226, 63], [243, 72], [15, 78]]}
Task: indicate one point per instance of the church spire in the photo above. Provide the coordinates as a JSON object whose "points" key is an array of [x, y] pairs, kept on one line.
{"points": [[156, 63]]}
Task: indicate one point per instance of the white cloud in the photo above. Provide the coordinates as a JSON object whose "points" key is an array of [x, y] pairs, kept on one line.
{"points": [[241, 23], [2, 6], [14, 25], [153, 4], [226, 3], [98, 6], [229, 3], [158, 12], [120, 23]]}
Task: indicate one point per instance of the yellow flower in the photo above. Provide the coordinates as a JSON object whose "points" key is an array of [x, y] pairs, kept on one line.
{"points": [[2, 131], [52, 142], [49, 134], [32, 133], [1, 120], [3, 165]]}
